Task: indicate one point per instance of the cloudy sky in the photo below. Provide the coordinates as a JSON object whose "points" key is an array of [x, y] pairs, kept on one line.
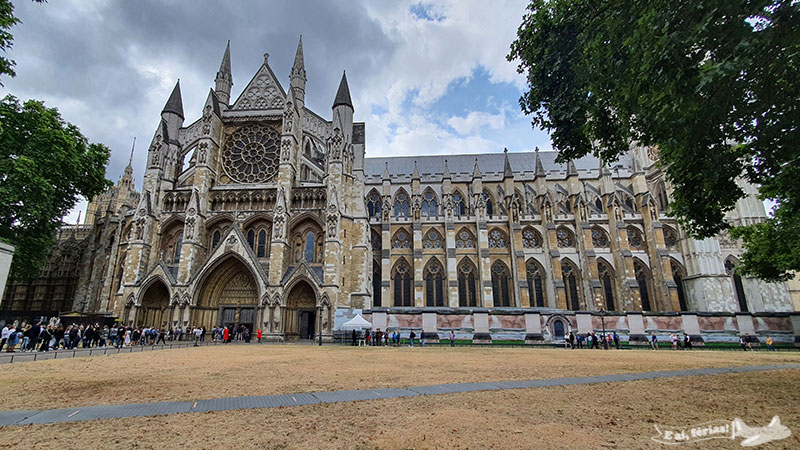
{"points": [[427, 77]]}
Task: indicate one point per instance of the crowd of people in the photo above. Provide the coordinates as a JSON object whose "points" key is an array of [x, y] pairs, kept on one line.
{"points": [[54, 336], [385, 338]]}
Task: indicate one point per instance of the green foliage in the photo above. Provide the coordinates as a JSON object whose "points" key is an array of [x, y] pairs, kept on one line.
{"points": [[713, 84], [45, 165]]}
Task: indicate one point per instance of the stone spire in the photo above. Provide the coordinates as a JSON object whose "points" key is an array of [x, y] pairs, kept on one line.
{"points": [[297, 79], [539, 167], [507, 172], [224, 79], [175, 103], [415, 175], [446, 174], [129, 167], [386, 171], [571, 170], [343, 94], [476, 172]]}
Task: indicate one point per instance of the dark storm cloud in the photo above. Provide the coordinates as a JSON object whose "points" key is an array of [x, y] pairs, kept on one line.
{"points": [[99, 62]]}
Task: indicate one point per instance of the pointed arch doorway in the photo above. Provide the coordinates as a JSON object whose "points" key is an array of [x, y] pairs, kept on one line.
{"points": [[229, 297], [300, 315]]}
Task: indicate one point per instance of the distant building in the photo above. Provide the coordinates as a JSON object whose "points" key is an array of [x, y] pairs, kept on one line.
{"points": [[265, 214]]}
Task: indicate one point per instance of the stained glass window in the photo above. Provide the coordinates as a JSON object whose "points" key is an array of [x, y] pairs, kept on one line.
{"points": [[250, 154], [531, 238], [497, 239]]}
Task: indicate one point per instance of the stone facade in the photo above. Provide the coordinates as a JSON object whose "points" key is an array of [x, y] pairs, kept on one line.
{"points": [[265, 214]]}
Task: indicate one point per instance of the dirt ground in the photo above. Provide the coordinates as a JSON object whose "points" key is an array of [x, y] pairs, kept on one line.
{"points": [[605, 416], [230, 371]]}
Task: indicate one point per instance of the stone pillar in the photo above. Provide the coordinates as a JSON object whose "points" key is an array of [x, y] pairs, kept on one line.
{"points": [[636, 335], [533, 328], [429, 328], [795, 317], [379, 320], [480, 325], [744, 322], [692, 328], [417, 266], [584, 320]]}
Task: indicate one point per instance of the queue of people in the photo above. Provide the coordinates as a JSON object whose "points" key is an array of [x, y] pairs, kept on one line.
{"points": [[38, 337], [385, 338]]}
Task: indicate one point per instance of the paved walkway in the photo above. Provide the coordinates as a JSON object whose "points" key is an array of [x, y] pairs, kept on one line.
{"points": [[84, 413]]}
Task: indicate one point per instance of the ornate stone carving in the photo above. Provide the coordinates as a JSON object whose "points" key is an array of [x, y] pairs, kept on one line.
{"points": [[260, 94], [335, 144], [202, 153], [207, 120], [288, 118]]}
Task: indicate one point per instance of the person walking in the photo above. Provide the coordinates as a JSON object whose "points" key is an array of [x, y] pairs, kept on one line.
{"points": [[452, 339], [12, 339], [412, 336], [653, 341], [770, 348], [197, 332], [226, 333], [258, 336], [616, 340], [4, 336], [687, 342]]}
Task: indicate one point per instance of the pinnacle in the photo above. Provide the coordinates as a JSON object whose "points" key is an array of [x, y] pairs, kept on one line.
{"points": [[343, 94], [175, 103]]}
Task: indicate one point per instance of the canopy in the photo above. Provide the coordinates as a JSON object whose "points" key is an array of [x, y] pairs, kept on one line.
{"points": [[356, 323]]}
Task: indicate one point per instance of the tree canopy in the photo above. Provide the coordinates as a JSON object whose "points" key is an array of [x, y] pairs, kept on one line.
{"points": [[46, 164], [714, 85], [8, 20]]}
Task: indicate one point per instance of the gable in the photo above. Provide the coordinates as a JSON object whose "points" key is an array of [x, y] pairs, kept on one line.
{"points": [[263, 92]]}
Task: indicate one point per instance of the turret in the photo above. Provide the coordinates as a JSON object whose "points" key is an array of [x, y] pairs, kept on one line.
{"points": [[343, 110], [297, 79], [172, 113], [224, 80]]}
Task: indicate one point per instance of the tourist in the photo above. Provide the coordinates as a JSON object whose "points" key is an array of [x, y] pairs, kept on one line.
{"points": [[571, 340], [452, 339], [366, 338], [566, 340], [608, 341], [127, 338], [653, 341], [258, 336], [386, 338], [26, 338], [161, 334], [226, 334], [616, 340], [4, 336], [687, 342], [674, 340], [11, 338], [104, 336], [422, 338], [197, 331], [579, 340], [411, 337], [770, 348]]}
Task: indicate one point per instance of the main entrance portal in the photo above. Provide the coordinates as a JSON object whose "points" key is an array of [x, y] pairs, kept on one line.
{"points": [[301, 312], [229, 297]]}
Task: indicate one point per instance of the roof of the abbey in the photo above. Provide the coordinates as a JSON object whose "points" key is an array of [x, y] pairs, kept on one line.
{"points": [[490, 166]]}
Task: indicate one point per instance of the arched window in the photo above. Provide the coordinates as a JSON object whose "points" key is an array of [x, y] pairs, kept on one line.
{"points": [[498, 239], [635, 239], [308, 252], [565, 237], [606, 276], [215, 239], [377, 241], [374, 204], [670, 238], [262, 244], [599, 238], [643, 281], [678, 274], [466, 284], [432, 240], [569, 275], [459, 207], [401, 240], [465, 239], [501, 289], [402, 280], [531, 238], [401, 205], [434, 283], [251, 239], [487, 199], [738, 286], [178, 245], [376, 283], [430, 208], [535, 276], [598, 204]]}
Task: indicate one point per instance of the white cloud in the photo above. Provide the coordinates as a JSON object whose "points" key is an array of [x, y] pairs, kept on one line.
{"points": [[475, 120]]}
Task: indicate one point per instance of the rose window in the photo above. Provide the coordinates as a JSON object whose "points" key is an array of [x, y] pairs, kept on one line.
{"points": [[251, 154]]}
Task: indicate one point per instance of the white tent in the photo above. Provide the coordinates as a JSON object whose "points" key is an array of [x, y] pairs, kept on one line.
{"points": [[356, 323]]}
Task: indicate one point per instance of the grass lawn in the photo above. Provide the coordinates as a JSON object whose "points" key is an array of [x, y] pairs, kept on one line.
{"points": [[618, 415]]}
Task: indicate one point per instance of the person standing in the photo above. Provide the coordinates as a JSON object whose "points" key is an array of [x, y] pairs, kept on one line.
{"points": [[452, 339], [770, 348], [225, 335], [412, 336], [616, 340], [12, 339], [258, 336], [197, 333], [653, 341], [687, 342]]}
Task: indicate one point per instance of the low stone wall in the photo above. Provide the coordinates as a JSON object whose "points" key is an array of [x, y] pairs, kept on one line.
{"points": [[541, 325]]}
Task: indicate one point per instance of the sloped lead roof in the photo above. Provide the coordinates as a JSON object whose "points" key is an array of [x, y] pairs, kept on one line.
{"points": [[343, 94], [491, 165]]}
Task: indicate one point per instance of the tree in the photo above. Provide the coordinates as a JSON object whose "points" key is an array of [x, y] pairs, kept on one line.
{"points": [[45, 165], [8, 20], [713, 85]]}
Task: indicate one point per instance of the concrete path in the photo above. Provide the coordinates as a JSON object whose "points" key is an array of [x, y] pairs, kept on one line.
{"points": [[84, 413]]}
